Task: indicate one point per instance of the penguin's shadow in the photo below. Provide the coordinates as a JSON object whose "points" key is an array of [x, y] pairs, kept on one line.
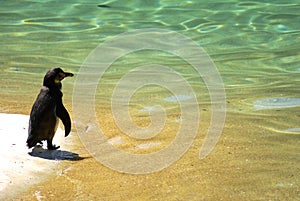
{"points": [[39, 151]]}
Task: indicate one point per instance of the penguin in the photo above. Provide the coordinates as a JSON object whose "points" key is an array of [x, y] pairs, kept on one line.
{"points": [[46, 110]]}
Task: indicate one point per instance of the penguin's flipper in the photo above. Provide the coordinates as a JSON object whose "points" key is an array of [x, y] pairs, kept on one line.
{"points": [[63, 114]]}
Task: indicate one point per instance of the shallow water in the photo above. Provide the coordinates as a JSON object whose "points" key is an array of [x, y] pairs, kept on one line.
{"points": [[255, 48]]}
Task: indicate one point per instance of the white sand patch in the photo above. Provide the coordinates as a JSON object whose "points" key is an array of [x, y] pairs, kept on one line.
{"points": [[148, 145], [20, 166], [117, 140]]}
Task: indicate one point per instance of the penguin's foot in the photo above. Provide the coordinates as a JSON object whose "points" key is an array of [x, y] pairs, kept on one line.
{"points": [[53, 147]]}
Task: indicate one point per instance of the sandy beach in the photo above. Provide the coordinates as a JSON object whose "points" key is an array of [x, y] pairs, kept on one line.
{"points": [[21, 167], [248, 165]]}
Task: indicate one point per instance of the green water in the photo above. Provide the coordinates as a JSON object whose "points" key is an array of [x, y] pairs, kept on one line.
{"points": [[254, 45]]}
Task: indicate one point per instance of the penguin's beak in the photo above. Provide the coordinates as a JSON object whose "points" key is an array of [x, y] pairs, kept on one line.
{"points": [[65, 74], [68, 74]]}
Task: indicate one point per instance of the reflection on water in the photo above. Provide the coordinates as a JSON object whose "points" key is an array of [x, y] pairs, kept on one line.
{"points": [[276, 103], [254, 44]]}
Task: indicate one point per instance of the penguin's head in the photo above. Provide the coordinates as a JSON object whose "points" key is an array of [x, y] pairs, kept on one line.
{"points": [[54, 77]]}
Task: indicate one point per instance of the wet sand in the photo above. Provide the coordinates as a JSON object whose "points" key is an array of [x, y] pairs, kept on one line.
{"points": [[250, 162], [254, 159]]}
